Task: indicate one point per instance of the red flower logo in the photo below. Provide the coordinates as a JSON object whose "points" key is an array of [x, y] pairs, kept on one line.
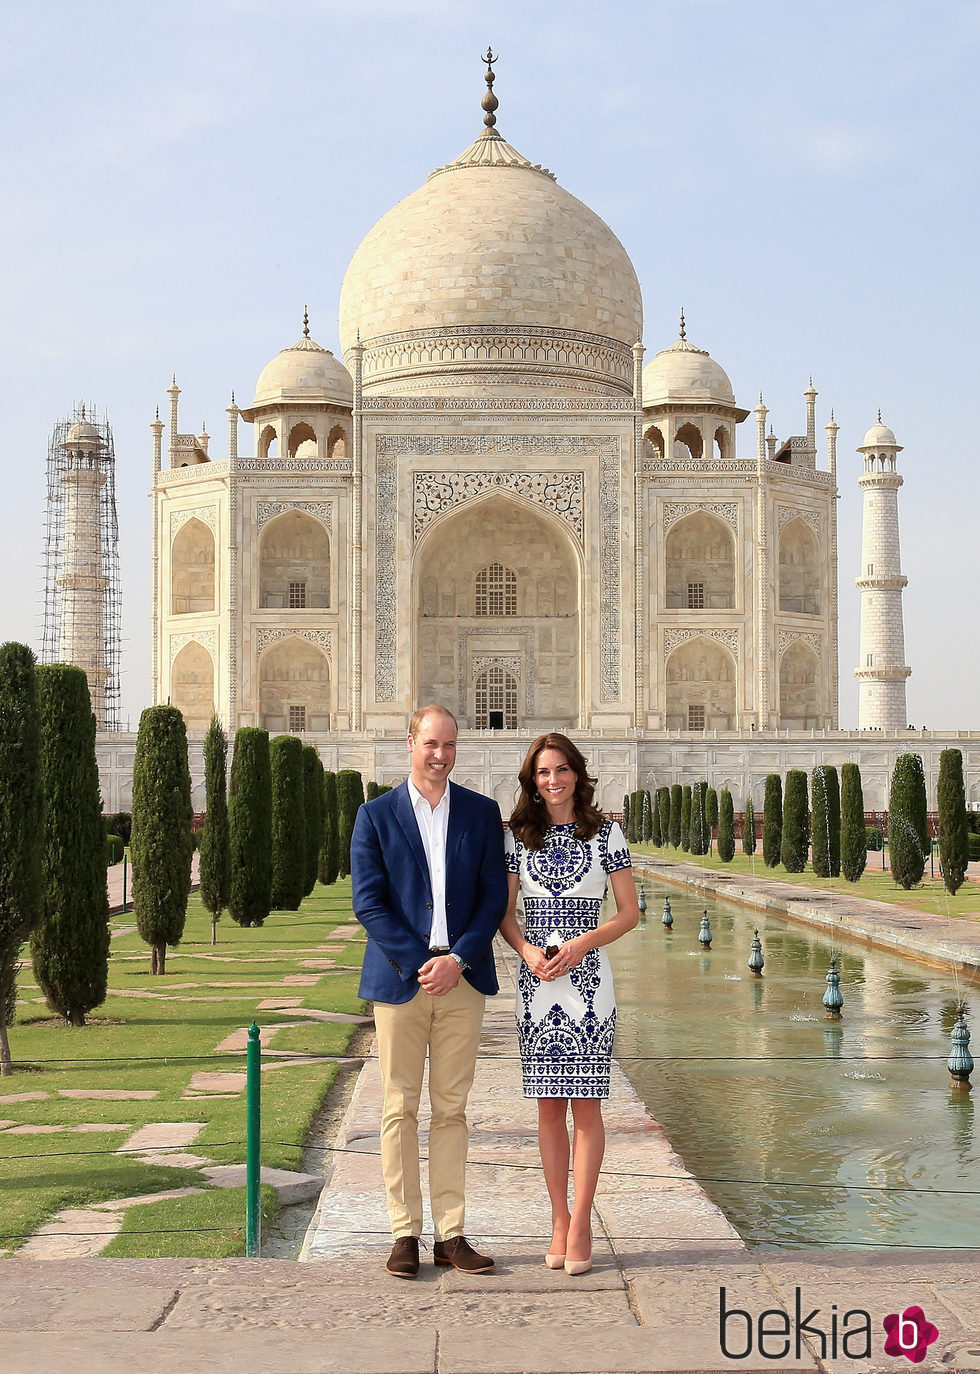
{"points": [[909, 1334]]}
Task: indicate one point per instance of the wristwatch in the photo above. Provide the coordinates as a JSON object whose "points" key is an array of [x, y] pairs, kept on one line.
{"points": [[463, 965]]}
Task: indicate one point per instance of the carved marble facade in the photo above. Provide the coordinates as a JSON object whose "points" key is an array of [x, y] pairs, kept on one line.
{"points": [[492, 504]]}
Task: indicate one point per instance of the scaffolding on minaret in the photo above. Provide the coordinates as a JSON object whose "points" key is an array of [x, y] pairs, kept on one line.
{"points": [[82, 598]]}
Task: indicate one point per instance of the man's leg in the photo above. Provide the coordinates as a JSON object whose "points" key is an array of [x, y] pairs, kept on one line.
{"points": [[453, 1044], [403, 1036]]}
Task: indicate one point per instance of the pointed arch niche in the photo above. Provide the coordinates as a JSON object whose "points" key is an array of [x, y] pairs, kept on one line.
{"points": [[799, 569], [192, 569], [302, 441], [700, 564], [294, 563], [294, 687], [530, 646], [700, 687], [192, 685], [799, 688]]}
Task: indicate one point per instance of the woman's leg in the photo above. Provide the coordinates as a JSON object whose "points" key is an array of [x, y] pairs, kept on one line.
{"points": [[554, 1146], [588, 1148]]}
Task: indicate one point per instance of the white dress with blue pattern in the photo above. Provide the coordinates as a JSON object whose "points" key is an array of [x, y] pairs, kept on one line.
{"points": [[566, 1028]]}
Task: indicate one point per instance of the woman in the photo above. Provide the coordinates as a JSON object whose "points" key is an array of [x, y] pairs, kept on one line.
{"points": [[560, 851]]}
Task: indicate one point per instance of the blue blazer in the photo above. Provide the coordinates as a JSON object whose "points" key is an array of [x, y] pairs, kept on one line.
{"points": [[393, 895]]}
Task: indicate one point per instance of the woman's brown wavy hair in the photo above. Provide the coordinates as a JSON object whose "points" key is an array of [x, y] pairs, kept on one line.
{"points": [[529, 819]]}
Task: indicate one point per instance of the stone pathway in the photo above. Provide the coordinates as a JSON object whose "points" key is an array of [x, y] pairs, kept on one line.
{"points": [[83, 1232]]}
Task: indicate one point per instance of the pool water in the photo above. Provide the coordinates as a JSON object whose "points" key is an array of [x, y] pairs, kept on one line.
{"points": [[802, 1129]]}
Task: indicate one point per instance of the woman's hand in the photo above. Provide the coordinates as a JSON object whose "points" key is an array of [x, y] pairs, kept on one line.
{"points": [[535, 959], [568, 957]]}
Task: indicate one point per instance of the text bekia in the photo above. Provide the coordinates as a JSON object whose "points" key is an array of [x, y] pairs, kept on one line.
{"points": [[773, 1333]]}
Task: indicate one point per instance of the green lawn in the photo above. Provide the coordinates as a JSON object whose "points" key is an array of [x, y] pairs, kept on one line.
{"points": [[875, 884], [153, 1034]]}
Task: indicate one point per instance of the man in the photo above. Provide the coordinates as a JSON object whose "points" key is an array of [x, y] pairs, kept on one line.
{"points": [[430, 889]]}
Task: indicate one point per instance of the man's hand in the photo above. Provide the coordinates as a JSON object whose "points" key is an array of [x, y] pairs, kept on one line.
{"points": [[439, 975]]}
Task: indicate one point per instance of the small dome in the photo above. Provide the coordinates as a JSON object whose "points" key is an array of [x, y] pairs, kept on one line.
{"points": [[305, 372], [83, 435], [880, 436], [685, 373]]}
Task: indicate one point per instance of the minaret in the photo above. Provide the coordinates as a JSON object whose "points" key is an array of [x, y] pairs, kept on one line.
{"points": [[81, 597], [882, 671]]}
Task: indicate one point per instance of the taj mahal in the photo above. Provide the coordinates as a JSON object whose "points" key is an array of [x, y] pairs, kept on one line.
{"points": [[502, 500]]}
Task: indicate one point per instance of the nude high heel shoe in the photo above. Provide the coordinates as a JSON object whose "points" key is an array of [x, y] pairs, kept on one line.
{"points": [[554, 1261], [578, 1266]]}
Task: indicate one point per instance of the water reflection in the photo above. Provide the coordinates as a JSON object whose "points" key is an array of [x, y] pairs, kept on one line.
{"points": [[757, 1090]]}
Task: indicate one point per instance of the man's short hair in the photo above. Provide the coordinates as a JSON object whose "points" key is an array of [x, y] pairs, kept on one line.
{"points": [[415, 724]]}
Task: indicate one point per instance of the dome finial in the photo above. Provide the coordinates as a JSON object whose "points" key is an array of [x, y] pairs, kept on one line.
{"points": [[489, 103], [683, 325], [879, 415], [306, 322]]}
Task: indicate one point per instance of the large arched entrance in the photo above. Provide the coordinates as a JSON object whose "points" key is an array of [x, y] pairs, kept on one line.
{"points": [[497, 617]]}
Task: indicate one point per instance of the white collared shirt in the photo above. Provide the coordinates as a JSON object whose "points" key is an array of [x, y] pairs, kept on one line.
{"points": [[433, 823]]}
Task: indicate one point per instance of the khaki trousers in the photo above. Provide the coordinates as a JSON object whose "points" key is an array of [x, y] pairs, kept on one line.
{"points": [[448, 1027]]}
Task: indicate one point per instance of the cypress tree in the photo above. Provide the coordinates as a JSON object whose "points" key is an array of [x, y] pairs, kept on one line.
{"points": [[646, 827], [796, 839], [908, 840], [748, 827], [313, 810], [699, 835], [656, 831], [954, 847], [215, 847], [772, 821], [70, 943], [636, 816], [626, 815], [686, 817], [161, 844], [330, 845], [833, 817], [663, 814], [726, 827], [21, 815], [821, 822], [288, 822], [676, 806], [350, 798], [854, 844], [250, 821], [711, 809]]}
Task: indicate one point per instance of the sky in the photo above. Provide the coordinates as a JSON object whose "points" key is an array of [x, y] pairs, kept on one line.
{"points": [[178, 181]]}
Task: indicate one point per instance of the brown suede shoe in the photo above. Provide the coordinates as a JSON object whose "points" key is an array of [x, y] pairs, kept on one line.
{"points": [[403, 1261], [460, 1254]]}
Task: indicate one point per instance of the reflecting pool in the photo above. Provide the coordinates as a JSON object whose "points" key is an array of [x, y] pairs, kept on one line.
{"points": [[802, 1129]]}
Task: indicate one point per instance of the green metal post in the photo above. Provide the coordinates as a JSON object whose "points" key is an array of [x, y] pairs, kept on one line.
{"points": [[253, 1208]]}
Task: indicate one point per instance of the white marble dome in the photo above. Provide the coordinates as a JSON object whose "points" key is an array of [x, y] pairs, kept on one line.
{"points": [[490, 247], [880, 436], [304, 372], [687, 374], [82, 434]]}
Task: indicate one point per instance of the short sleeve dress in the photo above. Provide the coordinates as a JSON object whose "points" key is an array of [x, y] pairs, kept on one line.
{"points": [[566, 1028]]}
